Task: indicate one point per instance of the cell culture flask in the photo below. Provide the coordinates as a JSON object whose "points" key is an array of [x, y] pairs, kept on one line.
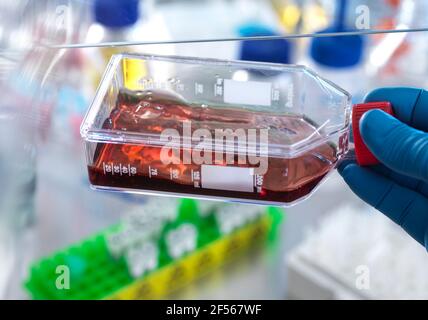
{"points": [[229, 130]]}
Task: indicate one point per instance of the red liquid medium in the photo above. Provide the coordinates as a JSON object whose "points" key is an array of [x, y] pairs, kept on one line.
{"points": [[140, 167]]}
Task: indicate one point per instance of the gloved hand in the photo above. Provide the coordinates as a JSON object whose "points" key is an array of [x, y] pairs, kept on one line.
{"points": [[399, 186]]}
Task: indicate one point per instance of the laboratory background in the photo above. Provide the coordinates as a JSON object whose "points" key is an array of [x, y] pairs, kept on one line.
{"points": [[62, 239]]}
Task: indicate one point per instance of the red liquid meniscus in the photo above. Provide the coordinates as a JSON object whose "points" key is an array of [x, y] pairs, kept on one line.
{"points": [[140, 167]]}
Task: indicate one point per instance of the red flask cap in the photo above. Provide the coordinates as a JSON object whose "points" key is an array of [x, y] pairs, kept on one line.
{"points": [[364, 156]]}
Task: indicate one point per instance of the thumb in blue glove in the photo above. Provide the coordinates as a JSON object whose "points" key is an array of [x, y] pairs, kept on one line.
{"points": [[399, 186]]}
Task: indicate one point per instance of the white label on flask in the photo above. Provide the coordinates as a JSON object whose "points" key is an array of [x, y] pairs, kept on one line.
{"points": [[247, 92], [227, 178]]}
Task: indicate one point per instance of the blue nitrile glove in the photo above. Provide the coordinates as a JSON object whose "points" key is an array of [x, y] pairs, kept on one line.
{"points": [[399, 186]]}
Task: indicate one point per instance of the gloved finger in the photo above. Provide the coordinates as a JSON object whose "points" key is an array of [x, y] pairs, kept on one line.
{"points": [[410, 104], [414, 184], [395, 144], [405, 207]]}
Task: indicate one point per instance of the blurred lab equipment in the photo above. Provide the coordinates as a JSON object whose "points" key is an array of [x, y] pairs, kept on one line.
{"points": [[402, 58], [25, 24], [121, 22], [25, 115], [23, 119], [275, 51], [353, 253], [340, 59], [125, 21], [156, 251]]}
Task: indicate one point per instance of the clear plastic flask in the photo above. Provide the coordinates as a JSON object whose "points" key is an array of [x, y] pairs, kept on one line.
{"points": [[230, 130]]}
